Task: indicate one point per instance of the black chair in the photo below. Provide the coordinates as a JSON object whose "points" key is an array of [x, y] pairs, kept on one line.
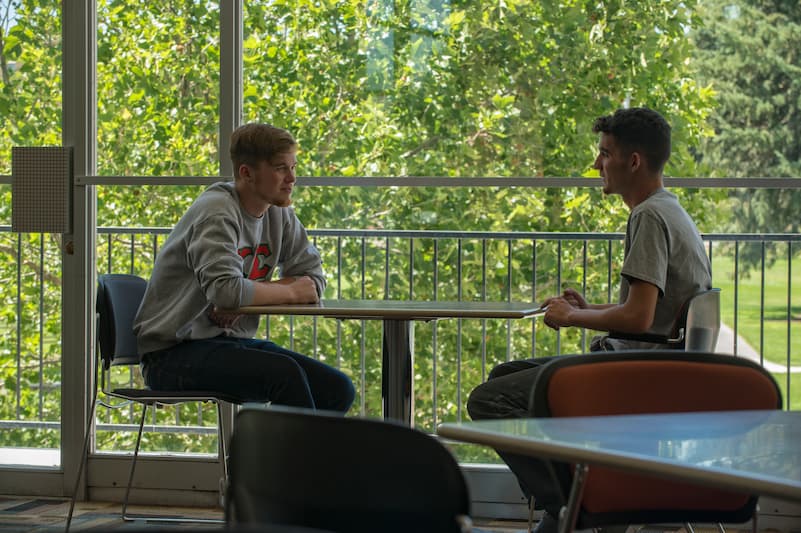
{"points": [[118, 299], [310, 469], [643, 382], [696, 328]]}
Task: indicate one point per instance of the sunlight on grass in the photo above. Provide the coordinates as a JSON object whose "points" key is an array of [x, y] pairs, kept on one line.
{"points": [[778, 340]]}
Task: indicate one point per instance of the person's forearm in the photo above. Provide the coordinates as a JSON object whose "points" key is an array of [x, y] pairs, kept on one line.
{"points": [[600, 307], [274, 292], [609, 317]]}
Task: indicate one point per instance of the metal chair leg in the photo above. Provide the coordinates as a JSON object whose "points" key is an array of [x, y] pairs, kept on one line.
{"points": [[133, 465], [569, 514], [223, 454], [530, 527], [164, 519]]}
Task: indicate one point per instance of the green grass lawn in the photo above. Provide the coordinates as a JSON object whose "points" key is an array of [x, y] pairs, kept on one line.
{"points": [[779, 337]]}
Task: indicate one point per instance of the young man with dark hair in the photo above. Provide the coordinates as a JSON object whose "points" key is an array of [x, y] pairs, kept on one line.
{"points": [[665, 264], [223, 254]]}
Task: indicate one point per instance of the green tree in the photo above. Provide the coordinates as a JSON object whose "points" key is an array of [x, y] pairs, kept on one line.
{"points": [[749, 52], [407, 88]]}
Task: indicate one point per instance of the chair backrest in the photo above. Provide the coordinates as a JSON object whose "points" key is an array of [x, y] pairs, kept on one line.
{"points": [[321, 470], [118, 299], [651, 381], [695, 328], [702, 324]]}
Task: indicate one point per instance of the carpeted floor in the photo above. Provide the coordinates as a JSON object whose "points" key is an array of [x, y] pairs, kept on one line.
{"points": [[23, 515], [48, 515]]}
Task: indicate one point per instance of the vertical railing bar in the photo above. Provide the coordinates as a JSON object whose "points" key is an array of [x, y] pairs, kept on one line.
{"points": [[736, 344], [339, 266], [509, 273], [315, 341], [459, 269], [711, 268], [789, 317], [131, 260], [362, 344], [434, 350], [584, 292], [534, 296], [609, 271], [132, 253], [762, 309], [109, 254], [339, 295], [292, 332], [509, 279], [709, 255], [483, 299], [411, 268], [41, 325], [458, 330], [386, 268], [559, 290]]}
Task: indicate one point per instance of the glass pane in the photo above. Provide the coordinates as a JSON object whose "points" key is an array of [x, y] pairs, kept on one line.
{"points": [[30, 264], [158, 68], [456, 89], [158, 71], [443, 88]]}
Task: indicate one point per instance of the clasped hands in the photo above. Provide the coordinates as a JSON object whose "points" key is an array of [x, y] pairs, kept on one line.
{"points": [[559, 308]]}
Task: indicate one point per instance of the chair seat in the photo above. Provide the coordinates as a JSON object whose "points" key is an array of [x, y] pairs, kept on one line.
{"points": [[169, 397]]}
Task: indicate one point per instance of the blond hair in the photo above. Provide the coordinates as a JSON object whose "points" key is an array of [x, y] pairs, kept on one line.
{"points": [[256, 142]]}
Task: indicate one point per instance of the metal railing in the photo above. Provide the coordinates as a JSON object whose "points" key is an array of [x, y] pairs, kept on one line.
{"points": [[452, 356]]}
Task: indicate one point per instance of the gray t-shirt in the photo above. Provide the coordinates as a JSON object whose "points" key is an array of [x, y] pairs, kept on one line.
{"points": [[663, 247], [212, 258]]}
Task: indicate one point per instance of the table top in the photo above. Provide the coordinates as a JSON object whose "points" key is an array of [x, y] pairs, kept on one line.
{"points": [[756, 451], [400, 309]]}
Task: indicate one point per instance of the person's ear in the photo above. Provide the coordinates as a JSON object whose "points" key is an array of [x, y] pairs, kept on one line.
{"points": [[635, 160], [245, 173]]}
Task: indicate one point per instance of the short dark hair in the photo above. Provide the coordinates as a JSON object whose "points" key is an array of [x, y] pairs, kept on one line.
{"points": [[639, 129], [256, 142]]}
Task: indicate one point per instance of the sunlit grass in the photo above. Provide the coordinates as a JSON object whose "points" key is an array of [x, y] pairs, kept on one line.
{"points": [[775, 332]]}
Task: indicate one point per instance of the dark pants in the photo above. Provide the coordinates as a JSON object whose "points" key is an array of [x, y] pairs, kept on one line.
{"points": [[506, 394], [251, 369]]}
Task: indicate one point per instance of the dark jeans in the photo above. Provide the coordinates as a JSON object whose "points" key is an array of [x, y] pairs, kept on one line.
{"points": [[506, 394], [251, 369]]}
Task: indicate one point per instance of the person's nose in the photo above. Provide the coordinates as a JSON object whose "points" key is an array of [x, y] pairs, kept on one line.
{"points": [[597, 164]]}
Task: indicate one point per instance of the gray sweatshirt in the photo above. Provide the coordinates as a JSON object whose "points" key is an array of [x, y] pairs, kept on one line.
{"points": [[212, 258]]}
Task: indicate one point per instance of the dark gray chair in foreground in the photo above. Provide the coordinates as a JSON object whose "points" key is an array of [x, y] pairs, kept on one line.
{"points": [[301, 468], [118, 299]]}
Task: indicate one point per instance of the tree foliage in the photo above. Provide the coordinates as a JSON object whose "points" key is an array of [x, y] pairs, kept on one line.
{"points": [[749, 52], [371, 88]]}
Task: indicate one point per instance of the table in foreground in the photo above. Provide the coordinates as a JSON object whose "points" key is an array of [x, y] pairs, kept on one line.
{"points": [[756, 452], [397, 317]]}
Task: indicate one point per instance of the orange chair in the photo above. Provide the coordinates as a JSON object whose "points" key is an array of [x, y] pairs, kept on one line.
{"points": [[645, 382]]}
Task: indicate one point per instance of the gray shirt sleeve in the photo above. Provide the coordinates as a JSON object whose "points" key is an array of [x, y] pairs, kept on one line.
{"points": [[649, 250], [299, 257]]}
